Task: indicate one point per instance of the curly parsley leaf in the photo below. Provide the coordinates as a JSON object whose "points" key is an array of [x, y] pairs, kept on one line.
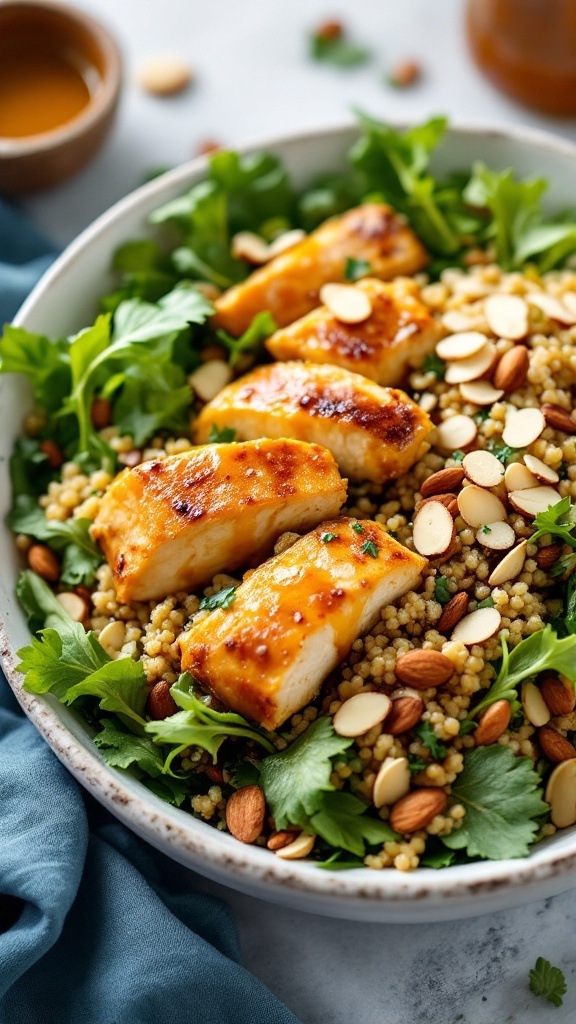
{"points": [[124, 750], [223, 599], [548, 981], [342, 822], [502, 797], [437, 856], [173, 790], [431, 741], [502, 452], [558, 520], [442, 590], [416, 764], [294, 780]]}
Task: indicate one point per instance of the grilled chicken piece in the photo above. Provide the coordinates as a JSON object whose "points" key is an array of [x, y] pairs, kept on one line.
{"points": [[289, 284], [171, 524], [373, 433], [296, 616], [399, 332]]}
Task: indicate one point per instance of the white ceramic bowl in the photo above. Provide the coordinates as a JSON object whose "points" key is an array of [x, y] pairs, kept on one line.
{"points": [[63, 302]]}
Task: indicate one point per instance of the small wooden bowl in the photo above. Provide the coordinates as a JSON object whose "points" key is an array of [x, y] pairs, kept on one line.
{"points": [[44, 159]]}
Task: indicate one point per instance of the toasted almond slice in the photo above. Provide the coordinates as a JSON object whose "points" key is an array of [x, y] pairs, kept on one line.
{"points": [[392, 781], [460, 346], [551, 307], [496, 536], [510, 567], [471, 368], [286, 241], [532, 500], [535, 708], [569, 300], [74, 604], [300, 848], [456, 321], [433, 529], [480, 392], [113, 637], [346, 302], [360, 713], [561, 794], [210, 378], [507, 316], [478, 626], [250, 247], [478, 506], [428, 402], [518, 477], [455, 433], [540, 470], [483, 468], [523, 427]]}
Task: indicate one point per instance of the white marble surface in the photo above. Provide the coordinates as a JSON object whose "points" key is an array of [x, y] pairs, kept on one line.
{"points": [[254, 81]]}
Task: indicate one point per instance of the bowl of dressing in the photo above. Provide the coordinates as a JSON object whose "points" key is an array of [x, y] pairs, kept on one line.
{"points": [[60, 78]]}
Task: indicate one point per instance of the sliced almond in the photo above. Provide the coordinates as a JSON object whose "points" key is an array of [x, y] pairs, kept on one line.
{"points": [[478, 626], [457, 322], [286, 241], [250, 247], [74, 604], [460, 346], [433, 528], [510, 567], [544, 473], [113, 637], [361, 713], [552, 307], [392, 781], [456, 432], [535, 708], [478, 506], [471, 368], [561, 794], [523, 427], [483, 468], [428, 402], [210, 378], [480, 392], [569, 300], [518, 477], [532, 500], [347, 303], [300, 848], [507, 316], [496, 536]]}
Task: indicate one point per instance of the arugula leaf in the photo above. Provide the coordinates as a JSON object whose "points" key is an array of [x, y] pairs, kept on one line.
{"points": [[223, 599], [356, 269], [548, 981], [433, 364], [501, 794], [294, 780], [123, 749], [262, 327], [441, 590], [82, 556], [224, 435], [534, 654], [342, 822], [558, 520], [431, 741], [338, 50]]}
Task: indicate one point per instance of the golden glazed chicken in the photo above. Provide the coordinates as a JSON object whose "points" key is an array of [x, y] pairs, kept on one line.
{"points": [[289, 285], [296, 616]]}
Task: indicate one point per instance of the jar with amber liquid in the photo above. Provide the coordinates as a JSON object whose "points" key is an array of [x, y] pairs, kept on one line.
{"points": [[528, 49]]}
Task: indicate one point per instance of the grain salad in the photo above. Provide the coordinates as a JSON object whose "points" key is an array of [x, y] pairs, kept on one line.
{"points": [[306, 565]]}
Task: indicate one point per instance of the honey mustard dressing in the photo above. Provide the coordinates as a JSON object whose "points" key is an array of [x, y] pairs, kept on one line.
{"points": [[40, 89]]}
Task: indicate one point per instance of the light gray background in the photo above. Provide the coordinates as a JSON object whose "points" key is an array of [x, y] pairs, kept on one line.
{"points": [[254, 80]]}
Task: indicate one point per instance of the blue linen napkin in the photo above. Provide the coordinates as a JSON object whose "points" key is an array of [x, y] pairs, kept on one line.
{"points": [[96, 927]]}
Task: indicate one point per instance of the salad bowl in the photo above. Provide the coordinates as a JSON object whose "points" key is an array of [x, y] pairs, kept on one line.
{"points": [[62, 303]]}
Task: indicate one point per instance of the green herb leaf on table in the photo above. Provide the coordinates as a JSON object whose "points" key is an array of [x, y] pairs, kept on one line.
{"points": [[342, 822], [430, 740], [339, 51], [356, 269], [441, 590], [224, 435], [548, 981], [223, 599], [502, 797], [294, 780]]}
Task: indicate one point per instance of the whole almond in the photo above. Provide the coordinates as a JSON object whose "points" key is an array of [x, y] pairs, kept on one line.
{"points": [[54, 455], [558, 418], [161, 703], [452, 507], [512, 369], [417, 809], [554, 746], [444, 499], [279, 839], [101, 413], [453, 611], [405, 713], [492, 724], [424, 668], [245, 813], [559, 696], [547, 556], [442, 482], [43, 561], [215, 774]]}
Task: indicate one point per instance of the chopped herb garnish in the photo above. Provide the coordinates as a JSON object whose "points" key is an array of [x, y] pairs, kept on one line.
{"points": [[327, 537], [486, 529], [356, 269], [369, 548], [416, 764], [482, 415], [357, 527], [457, 456], [488, 602], [547, 981], [442, 590], [431, 741], [221, 436], [432, 364], [558, 520], [223, 599], [503, 452]]}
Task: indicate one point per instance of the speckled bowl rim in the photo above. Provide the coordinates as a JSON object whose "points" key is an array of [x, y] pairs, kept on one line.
{"points": [[454, 892]]}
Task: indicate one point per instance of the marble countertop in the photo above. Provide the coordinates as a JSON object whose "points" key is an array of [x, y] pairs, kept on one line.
{"points": [[253, 80]]}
